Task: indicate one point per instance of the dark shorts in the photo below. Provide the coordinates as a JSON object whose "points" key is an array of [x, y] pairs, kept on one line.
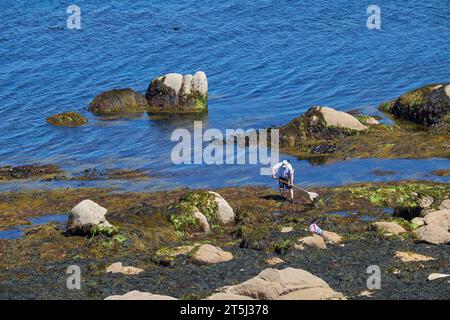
{"points": [[284, 183]]}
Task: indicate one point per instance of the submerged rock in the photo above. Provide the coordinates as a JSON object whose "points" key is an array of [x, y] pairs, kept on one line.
{"points": [[138, 295], [428, 105], [388, 228], [29, 172], [118, 101], [432, 234], [69, 118], [117, 267], [208, 254], [175, 92], [86, 218], [286, 284], [320, 123]]}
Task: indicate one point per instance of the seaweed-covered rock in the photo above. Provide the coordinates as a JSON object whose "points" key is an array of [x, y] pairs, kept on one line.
{"points": [[208, 254], [29, 171], [176, 93], [428, 105], [319, 123], [225, 214], [286, 284], [118, 101], [70, 118], [86, 218]]}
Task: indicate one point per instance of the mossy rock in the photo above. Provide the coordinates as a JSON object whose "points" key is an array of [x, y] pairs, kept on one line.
{"points": [[118, 101], [313, 125], [177, 93], [69, 118], [182, 214], [428, 105]]}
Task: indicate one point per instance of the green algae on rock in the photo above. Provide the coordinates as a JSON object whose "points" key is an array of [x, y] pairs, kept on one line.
{"points": [[70, 118], [428, 105], [118, 101], [29, 172], [177, 93]]}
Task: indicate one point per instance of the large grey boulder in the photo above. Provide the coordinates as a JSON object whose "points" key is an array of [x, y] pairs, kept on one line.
{"points": [[118, 101], [225, 214], [440, 218], [286, 284], [175, 92], [432, 234], [85, 216]]}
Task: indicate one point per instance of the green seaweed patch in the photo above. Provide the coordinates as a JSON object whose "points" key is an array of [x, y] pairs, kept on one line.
{"points": [[104, 230], [203, 201], [70, 118]]}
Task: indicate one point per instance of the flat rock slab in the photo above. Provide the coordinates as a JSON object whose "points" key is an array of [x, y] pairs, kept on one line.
{"points": [[314, 241], [411, 256], [341, 119], [286, 229], [389, 228], [432, 234], [138, 295], [435, 276], [273, 261], [208, 254], [227, 296], [285, 284], [119, 268]]}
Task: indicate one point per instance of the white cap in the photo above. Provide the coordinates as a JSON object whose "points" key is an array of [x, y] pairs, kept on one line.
{"points": [[284, 163]]}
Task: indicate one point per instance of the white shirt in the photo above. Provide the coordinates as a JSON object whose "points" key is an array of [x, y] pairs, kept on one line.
{"points": [[283, 171]]}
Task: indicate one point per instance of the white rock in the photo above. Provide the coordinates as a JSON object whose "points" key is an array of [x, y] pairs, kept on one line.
{"points": [[202, 221], [227, 296], [332, 237], [225, 214], [200, 83], [435, 276], [341, 119], [286, 229], [138, 295], [86, 215], [411, 256], [173, 80]]}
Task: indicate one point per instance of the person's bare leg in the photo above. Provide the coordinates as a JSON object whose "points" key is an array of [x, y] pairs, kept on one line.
{"points": [[291, 191]]}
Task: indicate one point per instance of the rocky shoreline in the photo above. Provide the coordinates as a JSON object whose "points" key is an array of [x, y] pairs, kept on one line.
{"points": [[157, 249]]}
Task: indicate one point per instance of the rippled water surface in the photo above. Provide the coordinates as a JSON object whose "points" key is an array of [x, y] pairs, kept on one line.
{"points": [[266, 61]]}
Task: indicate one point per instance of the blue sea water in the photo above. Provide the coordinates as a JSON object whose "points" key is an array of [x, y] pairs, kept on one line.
{"points": [[266, 62]]}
